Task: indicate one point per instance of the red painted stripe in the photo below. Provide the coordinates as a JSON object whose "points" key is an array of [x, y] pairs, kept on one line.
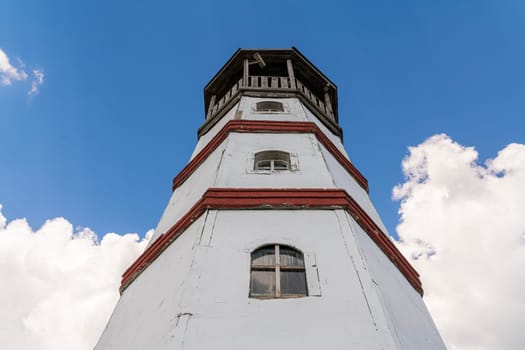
{"points": [[161, 243], [264, 126], [250, 198]]}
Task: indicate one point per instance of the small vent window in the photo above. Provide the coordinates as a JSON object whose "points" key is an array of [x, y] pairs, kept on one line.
{"points": [[272, 161], [277, 271], [269, 107]]}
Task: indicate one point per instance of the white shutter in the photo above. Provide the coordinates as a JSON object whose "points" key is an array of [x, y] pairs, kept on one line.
{"points": [[294, 162], [312, 275]]}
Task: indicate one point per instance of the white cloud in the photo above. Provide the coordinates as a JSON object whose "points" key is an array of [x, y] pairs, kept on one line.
{"points": [[59, 285], [38, 75], [463, 228], [9, 73]]}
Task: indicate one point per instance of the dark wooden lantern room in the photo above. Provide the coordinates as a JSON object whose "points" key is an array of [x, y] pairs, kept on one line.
{"points": [[271, 73]]}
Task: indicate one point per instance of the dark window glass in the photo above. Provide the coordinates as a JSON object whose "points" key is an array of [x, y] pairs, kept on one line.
{"points": [[280, 165], [291, 257], [264, 165], [263, 283], [277, 271], [269, 106], [264, 256], [293, 282]]}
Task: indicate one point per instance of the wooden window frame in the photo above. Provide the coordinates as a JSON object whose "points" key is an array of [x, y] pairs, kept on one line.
{"points": [[272, 165], [272, 157], [277, 267], [282, 108]]}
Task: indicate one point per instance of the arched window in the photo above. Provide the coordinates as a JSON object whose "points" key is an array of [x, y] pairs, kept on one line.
{"points": [[272, 161], [277, 271], [269, 107]]}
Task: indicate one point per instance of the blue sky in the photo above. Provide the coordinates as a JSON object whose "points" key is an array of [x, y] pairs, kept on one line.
{"points": [[117, 115]]}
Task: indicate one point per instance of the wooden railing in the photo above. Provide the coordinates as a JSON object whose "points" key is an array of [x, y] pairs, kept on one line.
{"points": [[269, 83], [314, 100], [266, 82]]}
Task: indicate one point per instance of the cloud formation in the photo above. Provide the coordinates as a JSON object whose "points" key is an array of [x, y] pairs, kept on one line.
{"points": [[59, 284], [9, 74], [38, 80], [463, 228]]}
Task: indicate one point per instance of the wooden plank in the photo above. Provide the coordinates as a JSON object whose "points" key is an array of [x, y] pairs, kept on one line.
{"points": [[299, 85], [291, 74], [245, 73], [264, 82], [322, 106], [254, 81], [210, 107], [274, 83], [328, 103]]}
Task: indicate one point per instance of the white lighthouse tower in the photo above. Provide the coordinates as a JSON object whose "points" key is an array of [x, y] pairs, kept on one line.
{"points": [[270, 240]]}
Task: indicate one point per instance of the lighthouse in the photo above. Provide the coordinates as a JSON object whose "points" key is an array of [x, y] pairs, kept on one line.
{"points": [[270, 239]]}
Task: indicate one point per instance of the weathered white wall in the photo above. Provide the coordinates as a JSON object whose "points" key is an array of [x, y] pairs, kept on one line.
{"points": [[229, 164], [293, 110], [204, 139], [404, 307], [236, 169], [147, 314], [343, 180], [185, 196], [196, 293], [335, 139], [245, 109]]}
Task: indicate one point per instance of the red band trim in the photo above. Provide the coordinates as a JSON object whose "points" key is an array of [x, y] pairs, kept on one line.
{"points": [[262, 126], [249, 198]]}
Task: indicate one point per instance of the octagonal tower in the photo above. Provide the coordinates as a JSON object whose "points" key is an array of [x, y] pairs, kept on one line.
{"points": [[270, 239]]}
